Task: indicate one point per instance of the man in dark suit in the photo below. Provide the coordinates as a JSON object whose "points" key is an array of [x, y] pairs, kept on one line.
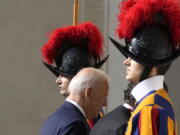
{"points": [[115, 122], [87, 92]]}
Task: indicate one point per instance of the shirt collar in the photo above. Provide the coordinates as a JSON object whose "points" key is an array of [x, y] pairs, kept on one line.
{"points": [[146, 86], [127, 106], [77, 105]]}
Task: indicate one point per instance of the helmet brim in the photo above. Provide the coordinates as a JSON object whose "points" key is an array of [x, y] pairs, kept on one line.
{"points": [[143, 60], [58, 72]]}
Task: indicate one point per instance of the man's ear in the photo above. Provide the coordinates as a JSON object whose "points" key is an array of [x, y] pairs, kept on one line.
{"points": [[153, 72], [88, 93]]}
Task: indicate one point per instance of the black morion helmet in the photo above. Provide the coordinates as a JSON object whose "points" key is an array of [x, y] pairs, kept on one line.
{"points": [[73, 48], [151, 30]]}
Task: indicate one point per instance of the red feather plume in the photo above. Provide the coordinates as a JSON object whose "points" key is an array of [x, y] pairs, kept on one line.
{"points": [[75, 35], [134, 13]]}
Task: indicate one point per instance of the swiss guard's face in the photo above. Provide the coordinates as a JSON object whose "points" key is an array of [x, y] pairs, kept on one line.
{"points": [[63, 83], [134, 70]]}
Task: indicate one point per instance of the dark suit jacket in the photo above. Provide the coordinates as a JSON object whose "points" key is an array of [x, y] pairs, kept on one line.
{"points": [[67, 120], [114, 123]]}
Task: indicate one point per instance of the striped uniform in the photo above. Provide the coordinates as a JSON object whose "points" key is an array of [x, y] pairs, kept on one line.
{"points": [[153, 115]]}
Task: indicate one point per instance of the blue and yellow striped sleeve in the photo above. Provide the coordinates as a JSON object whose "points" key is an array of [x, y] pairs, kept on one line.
{"points": [[152, 120]]}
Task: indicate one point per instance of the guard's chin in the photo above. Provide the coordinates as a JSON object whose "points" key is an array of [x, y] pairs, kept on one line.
{"points": [[128, 78], [63, 93]]}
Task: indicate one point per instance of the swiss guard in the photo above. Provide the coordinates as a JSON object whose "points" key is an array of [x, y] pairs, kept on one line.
{"points": [[72, 48], [151, 30]]}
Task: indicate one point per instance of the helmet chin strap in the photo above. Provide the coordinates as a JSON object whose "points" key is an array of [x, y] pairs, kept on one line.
{"points": [[145, 73]]}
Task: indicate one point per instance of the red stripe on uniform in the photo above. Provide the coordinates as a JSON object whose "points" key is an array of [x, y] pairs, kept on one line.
{"points": [[155, 121]]}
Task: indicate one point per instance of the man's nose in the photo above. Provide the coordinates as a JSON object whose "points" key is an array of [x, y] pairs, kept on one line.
{"points": [[127, 61], [58, 80]]}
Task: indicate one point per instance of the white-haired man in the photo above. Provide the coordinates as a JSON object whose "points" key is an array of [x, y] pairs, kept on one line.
{"points": [[88, 92]]}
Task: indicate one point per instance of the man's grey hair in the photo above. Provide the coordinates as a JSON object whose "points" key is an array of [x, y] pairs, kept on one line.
{"points": [[87, 77]]}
